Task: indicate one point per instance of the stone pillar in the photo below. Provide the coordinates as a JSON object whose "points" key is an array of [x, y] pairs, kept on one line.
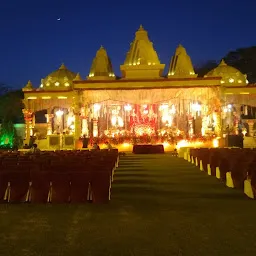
{"points": [[250, 124], [28, 117], [218, 126], [85, 129], [236, 122], [49, 118], [77, 114], [95, 127], [77, 126]]}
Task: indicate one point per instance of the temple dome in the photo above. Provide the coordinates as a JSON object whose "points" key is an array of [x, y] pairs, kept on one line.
{"points": [[60, 79], [181, 65], [101, 68], [142, 60], [230, 76]]}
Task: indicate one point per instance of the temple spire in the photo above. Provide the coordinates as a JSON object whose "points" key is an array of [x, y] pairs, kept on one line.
{"points": [[181, 65], [28, 86], [101, 68], [142, 60]]}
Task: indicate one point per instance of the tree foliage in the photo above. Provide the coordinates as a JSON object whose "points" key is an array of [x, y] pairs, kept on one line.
{"points": [[204, 68], [3, 89], [244, 59], [7, 134], [11, 105]]}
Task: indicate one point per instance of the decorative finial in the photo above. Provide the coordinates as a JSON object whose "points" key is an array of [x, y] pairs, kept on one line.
{"points": [[141, 28], [223, 63], [62, 66], [28, 86], [78, 77]]}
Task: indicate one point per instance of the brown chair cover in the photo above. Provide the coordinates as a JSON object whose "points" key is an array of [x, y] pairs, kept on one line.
{"points": [[79, 182], [40, 187], [19, 181], [100, 186], [60, 187], [3, 184]]}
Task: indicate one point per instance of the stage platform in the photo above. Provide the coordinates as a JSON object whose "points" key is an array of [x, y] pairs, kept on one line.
{"points": [[148, 149]]}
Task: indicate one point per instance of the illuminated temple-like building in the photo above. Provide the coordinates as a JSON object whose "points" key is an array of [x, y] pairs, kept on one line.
{"points": [[142, 101]]}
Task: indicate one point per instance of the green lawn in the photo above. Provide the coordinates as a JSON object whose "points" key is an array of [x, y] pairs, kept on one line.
{"points": [[161, 205]]}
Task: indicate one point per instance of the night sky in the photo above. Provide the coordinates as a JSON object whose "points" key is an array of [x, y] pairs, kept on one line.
{"points": [[34, 43]]}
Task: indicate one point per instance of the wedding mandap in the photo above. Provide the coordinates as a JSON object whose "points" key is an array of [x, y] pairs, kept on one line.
{"points": [[142, 105]]}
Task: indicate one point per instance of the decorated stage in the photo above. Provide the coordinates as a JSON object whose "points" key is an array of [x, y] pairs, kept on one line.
{"points": [[124, 144]]}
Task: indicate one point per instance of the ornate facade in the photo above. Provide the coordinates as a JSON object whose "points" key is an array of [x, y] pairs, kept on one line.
{"points": [[143, 101]]}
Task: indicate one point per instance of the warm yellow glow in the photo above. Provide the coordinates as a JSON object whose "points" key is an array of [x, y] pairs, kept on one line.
{"points": [[57, 84], [215, 143], [59, 113], [70, 120], [95, 133], [96, 107], [46, 97], [167, 146], [185, 143], [66, 84], [231, 80], [113, 120], [182, 143], [163, 106], [41, 85], [32, 98], [196, 106], [127, 107], [120, 121], [62, 97], [244, 93], [126, 145]]}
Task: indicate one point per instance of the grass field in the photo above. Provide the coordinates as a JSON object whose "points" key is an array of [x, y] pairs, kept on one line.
{"points": [[161, 205]]}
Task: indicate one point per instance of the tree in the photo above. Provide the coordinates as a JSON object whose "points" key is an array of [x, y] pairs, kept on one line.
{"points": [[3, 89], [11, 106], [244, 59], [205, 67], [7, 134]]}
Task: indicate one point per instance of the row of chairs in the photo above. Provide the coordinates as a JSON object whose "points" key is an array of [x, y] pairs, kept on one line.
{"points": [[234, 166], [61, 181]]}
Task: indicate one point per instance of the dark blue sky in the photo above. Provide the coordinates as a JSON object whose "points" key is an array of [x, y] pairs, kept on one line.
{"points": [[33, 43]]}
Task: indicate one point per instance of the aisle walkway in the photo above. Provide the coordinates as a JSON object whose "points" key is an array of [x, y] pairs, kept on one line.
{"points": [[165, 179]]}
